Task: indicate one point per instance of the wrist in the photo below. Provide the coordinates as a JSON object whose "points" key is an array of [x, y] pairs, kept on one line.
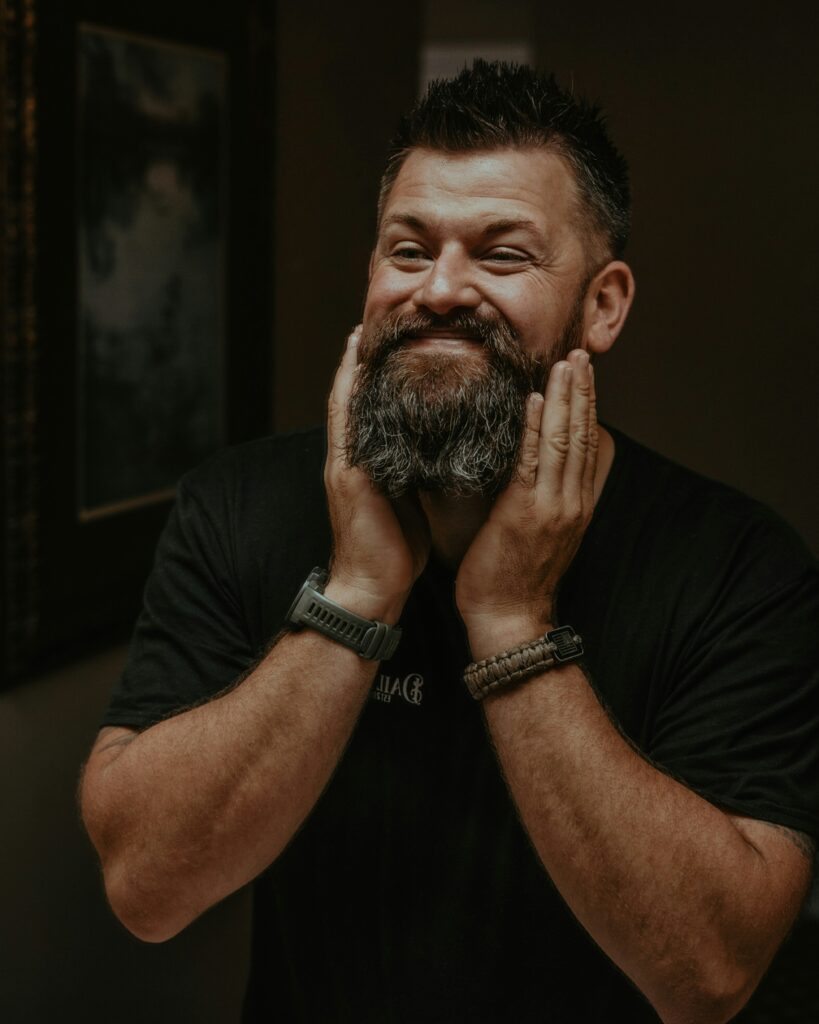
{"points": [[492, 634], [555, 648], [365, 601]]}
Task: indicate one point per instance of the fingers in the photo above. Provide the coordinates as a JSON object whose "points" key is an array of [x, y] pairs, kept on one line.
{"points": [[340, 396], [528, 458], [554, 430], [568, 438], [587, 485], [578, 426]]}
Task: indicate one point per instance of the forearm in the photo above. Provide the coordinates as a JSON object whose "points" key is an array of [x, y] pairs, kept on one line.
{"points": [[661, 879], [689, 901], [199, 804], [196, 806]]}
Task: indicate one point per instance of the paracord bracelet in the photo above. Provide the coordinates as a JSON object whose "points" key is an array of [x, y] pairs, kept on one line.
{"points": [[557, 647]]}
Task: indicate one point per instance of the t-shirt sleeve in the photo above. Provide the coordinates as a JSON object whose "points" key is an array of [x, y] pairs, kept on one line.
{"points": [[190, 641], [740, 721]]}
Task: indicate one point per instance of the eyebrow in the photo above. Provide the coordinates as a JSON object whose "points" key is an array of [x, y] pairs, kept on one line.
{"points": [[404, 220], [496, 227]]}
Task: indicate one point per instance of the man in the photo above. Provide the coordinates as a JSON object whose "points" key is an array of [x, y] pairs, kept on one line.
{"points": [[624, 838]]}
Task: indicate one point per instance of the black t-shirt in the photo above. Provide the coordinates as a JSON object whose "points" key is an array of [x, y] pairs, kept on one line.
{"points": [[411, 894]]}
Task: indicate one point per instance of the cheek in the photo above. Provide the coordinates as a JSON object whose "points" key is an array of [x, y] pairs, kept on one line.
{"points": [[529, 315], [536, 313], [386, 290]]}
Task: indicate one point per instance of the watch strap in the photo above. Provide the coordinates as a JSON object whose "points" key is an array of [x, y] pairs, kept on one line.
{"points": [[369, 638]]}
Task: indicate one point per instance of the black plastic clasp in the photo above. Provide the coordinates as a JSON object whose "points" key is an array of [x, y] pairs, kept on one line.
{"points": [[567, 644]]}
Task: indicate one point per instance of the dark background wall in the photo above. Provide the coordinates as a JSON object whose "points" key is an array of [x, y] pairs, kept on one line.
{"points": [[333, 125], [717, 367]]}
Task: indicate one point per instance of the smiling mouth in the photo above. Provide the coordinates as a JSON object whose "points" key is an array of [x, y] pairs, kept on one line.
{"points": [[442, 338]]}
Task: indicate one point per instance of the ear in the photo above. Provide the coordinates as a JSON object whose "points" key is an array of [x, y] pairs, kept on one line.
{"points": [[370, 266], [608, 300]]}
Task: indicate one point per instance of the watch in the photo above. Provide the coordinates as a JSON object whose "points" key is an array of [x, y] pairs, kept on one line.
{"points": [[370, 639]]}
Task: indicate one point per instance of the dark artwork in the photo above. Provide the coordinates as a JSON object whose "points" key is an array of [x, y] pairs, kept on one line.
{"points": [[151, 241], [135, 301]]}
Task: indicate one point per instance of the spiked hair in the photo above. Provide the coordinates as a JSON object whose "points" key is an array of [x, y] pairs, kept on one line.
{"points": [[498, 105]]}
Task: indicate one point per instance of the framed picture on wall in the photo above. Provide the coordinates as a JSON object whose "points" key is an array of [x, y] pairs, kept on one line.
{"points": [[145, 135], [151, 211]]}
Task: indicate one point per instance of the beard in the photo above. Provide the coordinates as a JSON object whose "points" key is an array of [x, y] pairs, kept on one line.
{"points": [[437, 421]]}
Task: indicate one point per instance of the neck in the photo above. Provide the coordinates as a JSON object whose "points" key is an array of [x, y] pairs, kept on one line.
{"points": [[454, 522]]}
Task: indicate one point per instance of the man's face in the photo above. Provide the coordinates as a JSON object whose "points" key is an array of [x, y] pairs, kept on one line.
{"points": [[476, 289], [492, 233]]}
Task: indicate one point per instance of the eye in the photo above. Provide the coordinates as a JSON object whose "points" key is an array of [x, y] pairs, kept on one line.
{"points": [[408, 253], [506, 256]]}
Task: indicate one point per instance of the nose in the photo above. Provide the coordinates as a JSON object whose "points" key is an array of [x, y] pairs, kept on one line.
{"points": [[447, 285]]}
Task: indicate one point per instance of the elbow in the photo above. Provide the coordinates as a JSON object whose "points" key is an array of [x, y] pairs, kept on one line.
{"points": [[725, 999], [134, 893], [140, 908], [715, 997], [703, 1009], [145, 929]]}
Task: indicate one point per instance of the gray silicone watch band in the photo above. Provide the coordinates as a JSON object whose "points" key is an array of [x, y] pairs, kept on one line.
{"points": [[373, 640]]}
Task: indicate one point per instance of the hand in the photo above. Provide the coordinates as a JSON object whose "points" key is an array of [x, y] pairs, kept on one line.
{"points": [[507, 581], [379, 547]]}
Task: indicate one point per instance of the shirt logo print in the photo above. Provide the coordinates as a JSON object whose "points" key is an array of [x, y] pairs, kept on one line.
{"points": [[408, 688]]}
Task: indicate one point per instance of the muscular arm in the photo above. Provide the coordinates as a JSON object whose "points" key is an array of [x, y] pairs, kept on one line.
{"points": [[689, 901], [189, 810], [196, 806]]}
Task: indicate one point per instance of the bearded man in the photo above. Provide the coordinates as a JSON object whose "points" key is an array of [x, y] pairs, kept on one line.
{"points": [[579, 781]]}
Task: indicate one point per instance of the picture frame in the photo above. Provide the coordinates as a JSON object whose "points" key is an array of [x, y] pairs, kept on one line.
{"points": [[137, 275]]}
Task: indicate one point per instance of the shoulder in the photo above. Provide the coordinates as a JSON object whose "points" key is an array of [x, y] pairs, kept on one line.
{"points": [[257, 463], [702, 527], [248, 524], [265, 476], [254, 502]]}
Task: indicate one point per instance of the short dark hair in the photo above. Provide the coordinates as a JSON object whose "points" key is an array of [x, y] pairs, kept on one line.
{"points": [[497, 105]]}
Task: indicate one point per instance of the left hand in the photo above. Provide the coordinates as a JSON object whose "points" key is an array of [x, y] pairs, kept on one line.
{"points": [[506, 585]]}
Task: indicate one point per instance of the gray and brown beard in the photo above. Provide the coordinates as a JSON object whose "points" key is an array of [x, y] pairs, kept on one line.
{"points": [[440, 421]]}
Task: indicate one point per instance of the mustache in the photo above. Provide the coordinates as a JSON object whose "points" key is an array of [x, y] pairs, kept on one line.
{"points": [[495, 333]]}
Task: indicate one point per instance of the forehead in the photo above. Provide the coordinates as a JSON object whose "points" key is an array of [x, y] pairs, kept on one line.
{"points": [[533, 184]]}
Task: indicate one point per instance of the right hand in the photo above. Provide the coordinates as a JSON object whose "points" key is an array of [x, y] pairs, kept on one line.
{"points": [[380, 547]]}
